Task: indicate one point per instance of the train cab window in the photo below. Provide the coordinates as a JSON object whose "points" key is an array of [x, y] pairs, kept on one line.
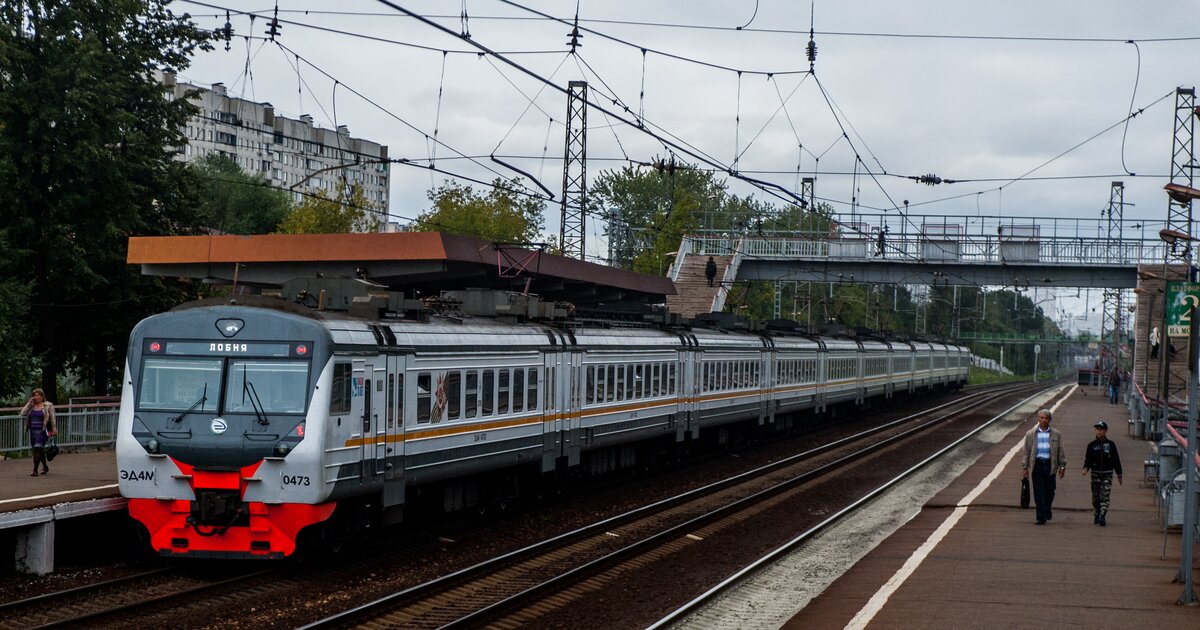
{"points": [[518, 390], [489, 392], [423, 398], [176, 384], [532, 399], [273, 386], [453, 395], [471, 408], [502, 391], [339, 396]]}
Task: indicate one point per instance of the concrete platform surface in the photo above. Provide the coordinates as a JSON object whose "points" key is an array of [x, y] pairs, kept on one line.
{"points": [[988, 565], [73, 477]]}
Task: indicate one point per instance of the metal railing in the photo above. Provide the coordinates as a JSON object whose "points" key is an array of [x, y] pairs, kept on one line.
{"points": [[79, 426], [979, 249]]}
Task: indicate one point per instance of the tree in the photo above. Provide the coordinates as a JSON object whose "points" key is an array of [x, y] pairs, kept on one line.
{"points": [[347, 211], [648, 211], [235, 202], [502, 214], [86, 151]]}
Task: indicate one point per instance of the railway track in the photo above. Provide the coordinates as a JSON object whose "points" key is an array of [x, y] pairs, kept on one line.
{"points": [[518, 587], [126, 596]]}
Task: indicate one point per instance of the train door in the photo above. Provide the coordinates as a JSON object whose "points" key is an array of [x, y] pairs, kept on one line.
{"points": [[571, 405], [391, 451], [764, 381], [373, 403], [689, 384], [555, 406]]}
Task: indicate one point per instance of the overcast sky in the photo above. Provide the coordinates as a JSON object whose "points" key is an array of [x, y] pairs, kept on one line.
{"points": [[992, 101]]}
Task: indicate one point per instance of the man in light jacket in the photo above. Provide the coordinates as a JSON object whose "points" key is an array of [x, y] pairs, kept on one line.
{"points": [[1044, 457]]}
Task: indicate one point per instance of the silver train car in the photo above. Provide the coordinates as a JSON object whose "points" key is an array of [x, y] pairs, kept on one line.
{"points": [[243, 425]]}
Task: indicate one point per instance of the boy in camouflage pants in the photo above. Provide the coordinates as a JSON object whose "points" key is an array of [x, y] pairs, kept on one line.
{"points": [[1102, 459]]}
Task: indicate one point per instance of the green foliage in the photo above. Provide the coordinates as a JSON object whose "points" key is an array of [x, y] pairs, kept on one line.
{"points": [[648, 212], [235, 202], [347, 211], [85, 161], [980, 376], [501, 215]]}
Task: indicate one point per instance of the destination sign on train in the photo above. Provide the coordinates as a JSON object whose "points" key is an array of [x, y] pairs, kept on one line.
{"points": [[228, 348]]}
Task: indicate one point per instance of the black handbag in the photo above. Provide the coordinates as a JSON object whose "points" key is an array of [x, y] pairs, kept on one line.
{"points": [[1024, 494], [51, 449]]}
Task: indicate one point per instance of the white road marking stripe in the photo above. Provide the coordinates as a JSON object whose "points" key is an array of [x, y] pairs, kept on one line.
{"points": [[877, 601], [58, 494]]}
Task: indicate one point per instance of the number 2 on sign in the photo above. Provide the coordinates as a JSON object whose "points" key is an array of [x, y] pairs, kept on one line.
{"points": [[1190, 301]]}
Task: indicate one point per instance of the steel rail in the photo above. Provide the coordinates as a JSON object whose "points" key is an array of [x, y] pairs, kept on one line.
{"points": [[417, 592], [774, 554]]}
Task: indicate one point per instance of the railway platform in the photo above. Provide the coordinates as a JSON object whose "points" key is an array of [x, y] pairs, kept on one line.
{"points": [[972, 558], [79, 484]]}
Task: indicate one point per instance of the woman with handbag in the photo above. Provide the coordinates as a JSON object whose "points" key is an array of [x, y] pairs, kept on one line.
{"points": [[39, 421]]}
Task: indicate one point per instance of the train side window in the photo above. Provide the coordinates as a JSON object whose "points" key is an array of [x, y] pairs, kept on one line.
{"points": [[532, 399], [655, 383], [630, 384], [400, 398], [453, 395], [610, 384], [518, 390], [622, 383], [472, 392], [339, 395], [671, 378], [502, 390], [592, 385], [423, 398], [391, 401], [489, 392]]}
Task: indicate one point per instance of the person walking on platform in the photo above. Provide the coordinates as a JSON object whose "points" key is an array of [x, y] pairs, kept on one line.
{"points": [[39, 422], [1103, 460], [1114, 386], [710, 270], [1044, 456]]}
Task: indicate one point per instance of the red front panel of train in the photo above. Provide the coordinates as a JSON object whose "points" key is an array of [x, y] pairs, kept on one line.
{"points": [[218, 524]]}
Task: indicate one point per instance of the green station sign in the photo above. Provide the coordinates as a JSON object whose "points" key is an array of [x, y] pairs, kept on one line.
{"points": [[1181, 297]]}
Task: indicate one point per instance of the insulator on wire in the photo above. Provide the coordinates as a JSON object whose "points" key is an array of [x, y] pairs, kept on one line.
{"points": [[227, 31]]}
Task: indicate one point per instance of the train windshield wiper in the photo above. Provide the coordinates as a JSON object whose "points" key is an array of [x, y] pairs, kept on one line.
{"points": [[248, 386], [203, 399]]}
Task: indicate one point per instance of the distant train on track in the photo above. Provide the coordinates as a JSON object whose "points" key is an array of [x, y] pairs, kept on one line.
{"points": [[244, 424]]}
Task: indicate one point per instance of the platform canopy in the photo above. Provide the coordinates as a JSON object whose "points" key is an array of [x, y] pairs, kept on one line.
{"points": [[413, 262]]}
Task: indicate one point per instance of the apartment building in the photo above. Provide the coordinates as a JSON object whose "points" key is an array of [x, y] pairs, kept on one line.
{"points": [[293, 154]]}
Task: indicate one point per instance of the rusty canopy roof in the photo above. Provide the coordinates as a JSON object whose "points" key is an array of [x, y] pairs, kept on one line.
{"points": [[426, 262]]}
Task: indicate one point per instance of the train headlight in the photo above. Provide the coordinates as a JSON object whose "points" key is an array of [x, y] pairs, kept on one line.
{"points": [[281, 450], [152, 445]]}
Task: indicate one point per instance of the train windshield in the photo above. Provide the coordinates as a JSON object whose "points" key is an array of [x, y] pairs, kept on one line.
{"points": [[176, 384], [275, 386]]}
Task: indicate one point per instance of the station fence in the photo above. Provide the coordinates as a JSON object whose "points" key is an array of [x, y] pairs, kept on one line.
{"points": [[79, 426]]}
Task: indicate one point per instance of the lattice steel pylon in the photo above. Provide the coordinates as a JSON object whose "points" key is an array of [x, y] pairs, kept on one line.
{"points": [[1110, 321], [1178, 230], [1183, 166], [574, 190]]}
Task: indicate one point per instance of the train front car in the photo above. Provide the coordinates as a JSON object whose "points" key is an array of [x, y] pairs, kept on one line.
{"points": [[211, 446]]}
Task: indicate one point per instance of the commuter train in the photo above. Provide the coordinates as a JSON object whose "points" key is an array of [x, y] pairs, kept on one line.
{"points": [[243, 424]]}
